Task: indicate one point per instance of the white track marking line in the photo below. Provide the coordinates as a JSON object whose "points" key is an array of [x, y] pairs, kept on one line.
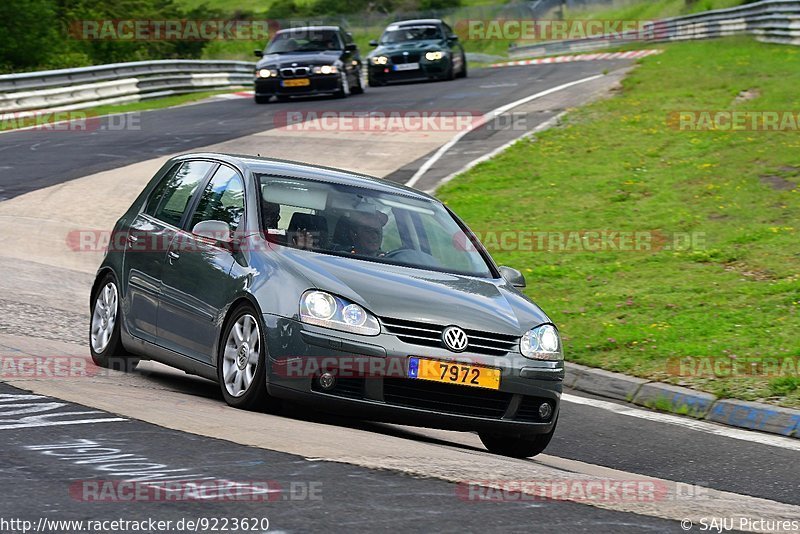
{"points": [[543, 126], [486, 118], [686, 422]]}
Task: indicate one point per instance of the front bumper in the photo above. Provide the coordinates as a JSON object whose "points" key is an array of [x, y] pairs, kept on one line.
{"points": [[372, 381], [318, 84], [427, 70]]}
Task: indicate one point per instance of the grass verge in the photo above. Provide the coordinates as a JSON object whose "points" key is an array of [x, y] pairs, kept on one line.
{"points": [[726, 204]]}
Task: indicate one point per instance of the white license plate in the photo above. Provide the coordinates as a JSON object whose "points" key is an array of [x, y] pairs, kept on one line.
{"points": [[407, 66]]}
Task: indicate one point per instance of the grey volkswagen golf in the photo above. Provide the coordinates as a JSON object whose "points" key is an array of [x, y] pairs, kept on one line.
{"points": [[288, 281]]}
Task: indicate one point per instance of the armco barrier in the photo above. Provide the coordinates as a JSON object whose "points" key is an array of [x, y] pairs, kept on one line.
{"points": [[771, 21], [84, 87]]}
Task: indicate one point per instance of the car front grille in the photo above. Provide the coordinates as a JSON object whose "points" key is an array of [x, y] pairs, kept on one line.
{"points": [[447, 398], [412, 57], [295, 72], [417, 333]]}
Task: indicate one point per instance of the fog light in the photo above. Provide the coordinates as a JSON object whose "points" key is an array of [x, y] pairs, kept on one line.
{"points": [[327, 381], [545, 411]]}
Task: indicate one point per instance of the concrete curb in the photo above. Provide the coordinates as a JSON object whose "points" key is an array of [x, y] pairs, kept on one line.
{"points": [[684, 401]]}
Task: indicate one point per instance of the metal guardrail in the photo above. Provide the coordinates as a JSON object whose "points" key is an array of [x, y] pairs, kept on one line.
{"points": [[84, 87], [771, 21]]}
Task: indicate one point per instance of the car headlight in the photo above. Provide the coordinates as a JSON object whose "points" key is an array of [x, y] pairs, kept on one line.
{"points": [[326, 69], [380, 60], [542, 343], [266, 73], [323, 309], [434, 56]]}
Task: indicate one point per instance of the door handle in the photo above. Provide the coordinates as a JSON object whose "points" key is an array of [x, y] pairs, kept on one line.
{"points": [[172, 255], [132, 239]]}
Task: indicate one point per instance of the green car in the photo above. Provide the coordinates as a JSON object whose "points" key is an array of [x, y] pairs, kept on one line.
{"points": [[413, 50]]}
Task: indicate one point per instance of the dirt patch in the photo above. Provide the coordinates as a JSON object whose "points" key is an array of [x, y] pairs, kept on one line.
{"points": [[747, 95], [718, 217], [778, 183], [760, 275]]}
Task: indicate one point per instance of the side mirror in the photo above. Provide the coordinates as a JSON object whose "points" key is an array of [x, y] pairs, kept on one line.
{"points": [[351, 47], [217, 231], [512, 276], [373, 42], [258, 53], [453, 38]]}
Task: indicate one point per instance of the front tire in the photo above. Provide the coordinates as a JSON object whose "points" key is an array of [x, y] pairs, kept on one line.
{"points": [[358, 88], [344, 86], [105, 343], [517, 447], [450, 74], [241, 362], [463, 72]]}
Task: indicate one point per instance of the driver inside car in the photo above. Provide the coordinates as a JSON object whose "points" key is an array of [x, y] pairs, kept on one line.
{"points": [[366, 233]]}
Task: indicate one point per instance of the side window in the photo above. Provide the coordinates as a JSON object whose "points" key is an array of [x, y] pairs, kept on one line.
{"points": [[178, 191], [448, 31], [222, 199], [348, 38], [153, 200]]}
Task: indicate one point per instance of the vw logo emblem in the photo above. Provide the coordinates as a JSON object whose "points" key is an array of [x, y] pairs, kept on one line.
{"points": [[455, 339], [405, 53]]}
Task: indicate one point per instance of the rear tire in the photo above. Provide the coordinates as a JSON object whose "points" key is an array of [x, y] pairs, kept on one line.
{"points": [[517, 447], [105, 343], [263, 99], [241, 361]]}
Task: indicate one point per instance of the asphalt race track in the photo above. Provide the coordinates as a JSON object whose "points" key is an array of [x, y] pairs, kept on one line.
{"points": [[320, 472]]}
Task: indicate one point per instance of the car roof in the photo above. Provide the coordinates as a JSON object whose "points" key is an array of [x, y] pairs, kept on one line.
{"points": [[415, 22], [314, 28], [279, 167]]}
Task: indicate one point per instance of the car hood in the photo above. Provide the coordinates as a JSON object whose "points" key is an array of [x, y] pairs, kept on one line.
{"points": [[413, 46], [301, 58], [420, 295]]}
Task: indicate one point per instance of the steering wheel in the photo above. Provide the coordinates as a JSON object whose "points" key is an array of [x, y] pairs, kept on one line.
{"points": [[395, 252]]}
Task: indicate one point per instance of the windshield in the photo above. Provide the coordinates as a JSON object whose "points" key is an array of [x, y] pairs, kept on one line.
{"points": [[411, 33], [366, 224], [305, 40]]}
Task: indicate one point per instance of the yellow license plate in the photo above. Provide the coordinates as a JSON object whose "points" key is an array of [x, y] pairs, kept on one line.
{"points": [[453, 373], [299, 82]]}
